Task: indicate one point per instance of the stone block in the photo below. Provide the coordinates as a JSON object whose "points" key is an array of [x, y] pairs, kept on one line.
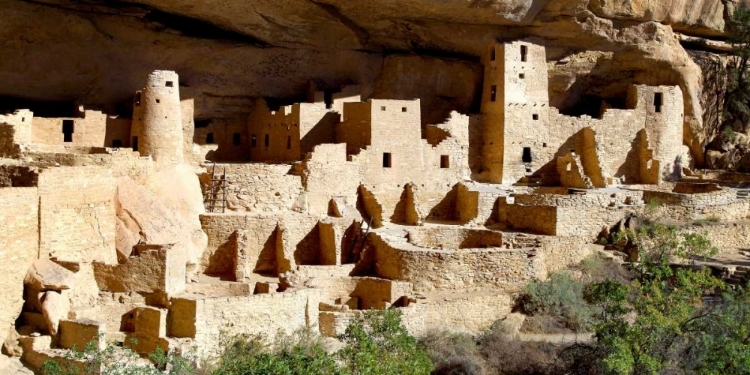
{"points": [[150, 321], [80, 332]]}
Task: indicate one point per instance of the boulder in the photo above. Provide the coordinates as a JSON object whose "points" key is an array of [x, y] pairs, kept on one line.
{"points": [[45, 274], [55, 306]]}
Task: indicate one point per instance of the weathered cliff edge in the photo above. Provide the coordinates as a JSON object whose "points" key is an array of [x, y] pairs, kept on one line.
{"points": [[229, 51]]}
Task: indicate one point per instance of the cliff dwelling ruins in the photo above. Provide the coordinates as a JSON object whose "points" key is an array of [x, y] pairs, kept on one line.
{"points": [[172, 229]]}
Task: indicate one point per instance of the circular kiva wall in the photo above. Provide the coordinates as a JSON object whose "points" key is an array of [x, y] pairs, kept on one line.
{"points": [[455, 238]]}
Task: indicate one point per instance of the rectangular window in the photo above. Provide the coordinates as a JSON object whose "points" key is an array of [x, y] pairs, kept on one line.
{"points": [[137, 98], [158, 101], [492, 54], [526, 155], [524, 53], [445, 161], [535, 116], [268, 140], [116, 143], [67, 130], [236, 139], [382, 108], [386, 160], [522, 76], [170, 84], [493, 93], [288, 142], [658, 101], [403, 109], [210, 138], [253, 141], [134, 143]]}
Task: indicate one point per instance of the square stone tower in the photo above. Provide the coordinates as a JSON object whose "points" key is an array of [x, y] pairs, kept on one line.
{"points": [[515, 110]]}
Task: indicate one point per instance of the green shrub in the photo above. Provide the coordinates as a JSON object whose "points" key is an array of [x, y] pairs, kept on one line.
{"points": [[379, 344], [114, 360], [510, 356], [300, 353], [560, 297], [454, 353], [595, 268]]}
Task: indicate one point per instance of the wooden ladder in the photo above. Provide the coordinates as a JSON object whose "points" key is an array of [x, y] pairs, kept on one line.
{"points": [[215, 198], [359, 240]]}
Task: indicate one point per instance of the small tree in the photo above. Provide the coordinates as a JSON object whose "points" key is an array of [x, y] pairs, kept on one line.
{"points": [[666, 301]]}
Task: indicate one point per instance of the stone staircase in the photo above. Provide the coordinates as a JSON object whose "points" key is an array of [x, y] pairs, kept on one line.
{"points": [[739, 277]]}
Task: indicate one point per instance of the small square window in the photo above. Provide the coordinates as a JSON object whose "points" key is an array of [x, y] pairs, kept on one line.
{"points": [[445, 161], [210, 138], [544, 144], [535, 116], [522, 76], [116, 143], [382, 108], [386, 160], [170, 84], [403, 109], [158, 101], [236, 139]]}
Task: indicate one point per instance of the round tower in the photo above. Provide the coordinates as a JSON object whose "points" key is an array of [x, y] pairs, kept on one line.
{"points": [[157, 119]]}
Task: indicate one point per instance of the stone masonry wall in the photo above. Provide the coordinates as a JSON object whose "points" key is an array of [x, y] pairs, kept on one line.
{"points": [[257, 187], [210, 319], [77, 214], [476, 268], [19, 246]]}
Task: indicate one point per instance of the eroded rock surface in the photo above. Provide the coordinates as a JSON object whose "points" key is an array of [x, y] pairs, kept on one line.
{"points": [[229, 51]]}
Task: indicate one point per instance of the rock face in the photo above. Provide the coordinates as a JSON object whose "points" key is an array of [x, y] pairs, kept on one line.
{"points": [[228, 52]]}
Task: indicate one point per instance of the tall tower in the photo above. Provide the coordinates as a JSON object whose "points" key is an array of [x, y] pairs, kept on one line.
{"points": [[515, 111], [157, 119]]}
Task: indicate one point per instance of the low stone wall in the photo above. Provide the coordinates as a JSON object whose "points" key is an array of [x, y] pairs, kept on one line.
{"points": [[436, 269], [471, 313], [722, 205], [209, 320], [727, 237], [445, 237], [151, 268], [714, 198], [368, 292], [593, 199]]}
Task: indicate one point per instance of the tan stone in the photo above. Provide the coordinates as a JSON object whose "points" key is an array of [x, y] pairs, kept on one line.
{"points": [[55, 306], [45, 274], [80, 333]]}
